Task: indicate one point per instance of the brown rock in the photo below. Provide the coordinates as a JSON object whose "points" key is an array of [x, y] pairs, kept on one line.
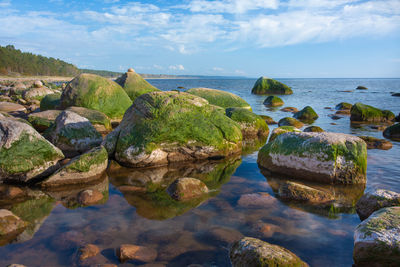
{"points": [[88, 251], [290, 109], [257, 200], [132, 252], [187, 188], [376, 143], [13, 192], [224, 235], [300, 192], [90, 197], [10, 224], [343, 112]]}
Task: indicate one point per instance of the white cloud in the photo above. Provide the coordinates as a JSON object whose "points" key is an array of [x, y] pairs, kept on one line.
{"points": [[217, 69], [176, 67], [230, 6], [5, 3]]}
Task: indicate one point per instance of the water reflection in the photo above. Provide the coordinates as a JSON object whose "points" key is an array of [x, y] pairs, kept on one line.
{"points": [[145, 189]]}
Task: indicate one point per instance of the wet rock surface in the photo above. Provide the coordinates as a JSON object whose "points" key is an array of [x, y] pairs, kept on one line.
{"points": [[376, 200]]}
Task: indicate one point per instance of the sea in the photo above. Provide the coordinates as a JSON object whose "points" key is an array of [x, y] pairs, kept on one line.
{"points": [[243, 199]]}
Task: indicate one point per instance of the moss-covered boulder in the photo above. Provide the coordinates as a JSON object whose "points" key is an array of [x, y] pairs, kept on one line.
{"points": [[376, 200], [10, 226], [376, 143], [134, 84], [220, 98], [267, 86], [36, 93], [366, 113], [321, 157], [287, 121], [163, 127], [283, 129], [377, 239], [343, 106], [99, 120], [268, 119], [24, 153], [98, 93], [51, 101], [392, 132], [361, 87], [313, 129], [41, 121], [250, 251], [80, 170], [73, 134], [307, 114], [273, 101], [251, 124]]}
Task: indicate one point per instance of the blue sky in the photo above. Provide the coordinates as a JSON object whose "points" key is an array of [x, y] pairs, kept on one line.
{"points": [[275, 38]]}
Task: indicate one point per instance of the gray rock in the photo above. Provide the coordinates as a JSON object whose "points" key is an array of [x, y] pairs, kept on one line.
{"points": [[376, 200]]}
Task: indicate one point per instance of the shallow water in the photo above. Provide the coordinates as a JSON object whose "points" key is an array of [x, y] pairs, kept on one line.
{"points": [[199, 232]]}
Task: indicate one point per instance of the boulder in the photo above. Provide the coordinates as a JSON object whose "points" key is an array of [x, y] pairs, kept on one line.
{"points": [[250, 251], [134, 84], [366, 113], [163, 127], [139, 253], [187, 188], [98, 93], [396, 94], [73, 134], [287, 121], [313, 129], [12, 108], [343, 106], [269, 120], [41, 121], [299, 192], [82, 169], [88, 251], [332, 158], [343, 112], [24, 153], [376, 200], [251, 124], [90, 197], [281, 130], [10, 225], [51, 101], [99, 120], [376, 143], [37, 84], [307, 114], [289, 109], [377, 239], [267, 86], [36, 93], [220, 98], [273, 101], [392, 132], [360, 87]]}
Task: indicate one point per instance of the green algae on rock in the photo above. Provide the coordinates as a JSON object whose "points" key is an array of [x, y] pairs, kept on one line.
{"points": [[267, 86], [220, 98], [98, 93], [343, 106], [287, 121], [250, 251], [313, 129], [273, 101], [282, 129], [377, 239], [24, 153], [332, 158], [163, 127], [250, 123], [98, 119], [307, 114], [376, 200], [41, 121], [134, 84], [269, 120], [366, 113], [51, 101], [392, 132]]}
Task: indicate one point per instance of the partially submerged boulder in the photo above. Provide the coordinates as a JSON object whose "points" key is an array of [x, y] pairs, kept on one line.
{"points": [[99, 120], [343, 106], [220, 98], [392, 132], [361, 87], [366, 113], [50, 101], [273, 101], [187, 188], [73, 134], [24, 153], [376, 200], [98, 93], [268, 119], [282, 129], [251, 124], [307, 114], [134, 84], [313, 129], [289, 109], [287, 121], [267, 86], [376, 143], [41, 121], [250, 251], [332, 158], [377, 239]]}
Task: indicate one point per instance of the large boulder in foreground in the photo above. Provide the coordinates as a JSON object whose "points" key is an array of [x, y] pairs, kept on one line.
{"points": [[365, 113], [250, 251], [377, 239], [134, 84], [80, 170], [332, 158], [73, 134], [98, 93], [267, 86], [392, 132], [163, 127], [252, 125], [220, 98], [24, 153], [376, 200]]}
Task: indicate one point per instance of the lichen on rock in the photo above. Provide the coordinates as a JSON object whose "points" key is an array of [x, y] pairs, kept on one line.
{"points": [[220, 98]]}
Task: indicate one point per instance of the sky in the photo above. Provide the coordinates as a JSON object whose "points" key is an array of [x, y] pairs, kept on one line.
{"points": [[251, 38]]}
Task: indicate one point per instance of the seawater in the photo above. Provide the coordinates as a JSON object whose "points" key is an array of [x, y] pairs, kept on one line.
{"points": [[200, 232]]}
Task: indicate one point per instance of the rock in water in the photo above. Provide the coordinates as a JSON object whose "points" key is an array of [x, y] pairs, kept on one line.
{"points": [[88, 251], [251, 124], [98, 93], [73, 134], [392, 132], [307, 114], [332, 158], [377, 239], [313, 129], [365, 113], [299, 192], [187, 188], [163, 127], [376, 143], [220, 98], [266, 86], [273, 101], [281, 130], [287, 121], [132, 252], [24, 153], [255, 252], [343, 106], [134, 84], [376, 200], [360, 87]]}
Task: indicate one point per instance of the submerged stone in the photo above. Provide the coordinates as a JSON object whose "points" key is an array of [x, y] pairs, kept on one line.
{"points": [[266, 86], [376, 143], [134, 84], [250, 123], [187, 188], [366, 113], [299, 192], [10, 226], [376, 200], [392, 132], [273, 101], [287, 121], [133, 252], [307, 114], [220, 98], [289, 109]]}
